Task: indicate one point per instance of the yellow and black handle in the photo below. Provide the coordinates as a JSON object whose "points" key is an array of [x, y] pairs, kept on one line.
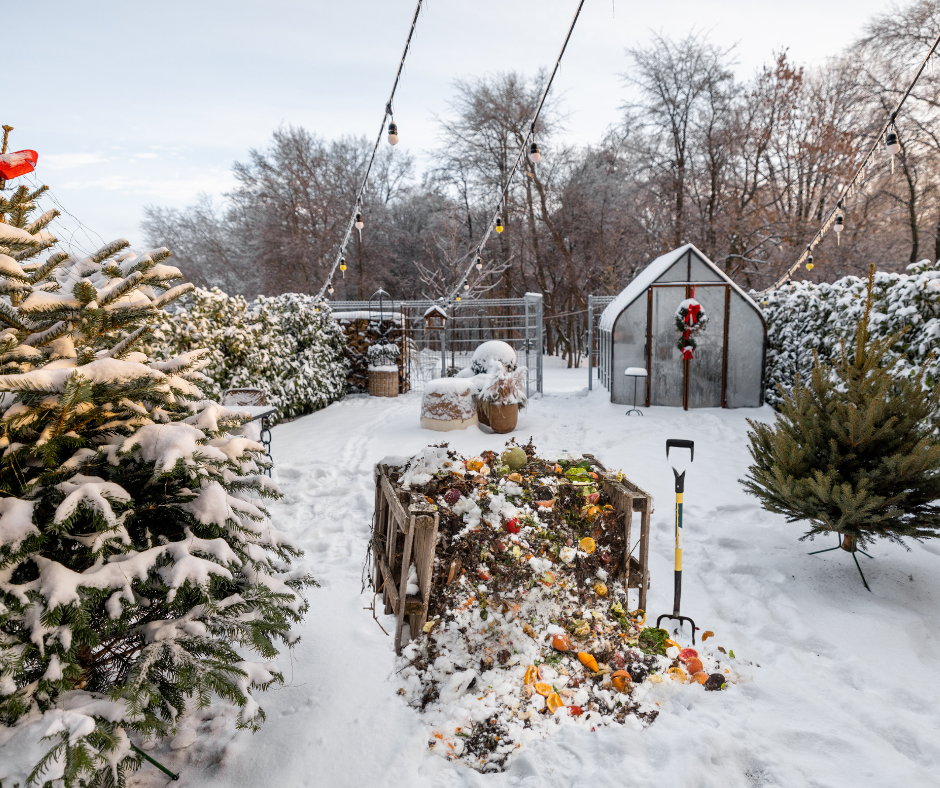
{"points": [[680, 489]]}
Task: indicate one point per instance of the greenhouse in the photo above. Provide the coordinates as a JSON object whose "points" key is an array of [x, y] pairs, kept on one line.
{"points": [[642, 328]]}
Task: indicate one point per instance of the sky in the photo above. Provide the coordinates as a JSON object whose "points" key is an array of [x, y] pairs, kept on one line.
{"points": [[132, 104]]}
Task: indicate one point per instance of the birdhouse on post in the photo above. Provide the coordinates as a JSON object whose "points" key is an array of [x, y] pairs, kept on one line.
{"points": [[435, 317]]}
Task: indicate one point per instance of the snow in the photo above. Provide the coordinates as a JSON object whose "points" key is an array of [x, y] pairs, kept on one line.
{"points": [[16, 522], [844, 694]]}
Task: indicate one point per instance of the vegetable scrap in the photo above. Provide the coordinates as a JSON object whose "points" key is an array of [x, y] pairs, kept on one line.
{"points": [[532, 628]]}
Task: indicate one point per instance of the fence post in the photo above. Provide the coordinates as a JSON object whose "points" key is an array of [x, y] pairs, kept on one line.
{"points": [[590, 343], [533, 320]]}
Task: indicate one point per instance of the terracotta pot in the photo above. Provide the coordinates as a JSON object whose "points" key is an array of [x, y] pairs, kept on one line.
{"points": [[500, 418]]}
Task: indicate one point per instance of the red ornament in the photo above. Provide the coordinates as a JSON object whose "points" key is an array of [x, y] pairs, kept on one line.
{"points": [[512, 526], [12, 165], [687, 353]]}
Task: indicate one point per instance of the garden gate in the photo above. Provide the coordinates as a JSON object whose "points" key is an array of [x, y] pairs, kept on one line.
{"points": [[430, 353]]}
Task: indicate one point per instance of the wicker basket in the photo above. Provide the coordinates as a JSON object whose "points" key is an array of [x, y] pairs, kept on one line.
{"points": [[383, 384]]}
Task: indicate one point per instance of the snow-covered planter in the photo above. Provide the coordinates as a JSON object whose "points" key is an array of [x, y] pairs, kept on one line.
{"points": [[448, 404], [383, 369], [806, 319], [500, 385], [286, 345]]}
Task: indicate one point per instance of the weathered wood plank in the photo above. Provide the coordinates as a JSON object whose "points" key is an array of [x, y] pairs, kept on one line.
{"points": [[403, 586], [396, 510], [645, 550], [390, 594]]}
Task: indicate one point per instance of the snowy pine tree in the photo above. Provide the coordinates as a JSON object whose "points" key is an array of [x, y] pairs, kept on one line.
{"points": [[853, 450], [137, 566]]}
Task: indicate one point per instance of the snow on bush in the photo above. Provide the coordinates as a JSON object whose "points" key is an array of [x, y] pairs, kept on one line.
{"points": [[281, 345], [804, 318]]}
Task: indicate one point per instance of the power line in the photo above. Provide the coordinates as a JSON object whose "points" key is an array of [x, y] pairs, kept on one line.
{"points": [[356, 216], [850, 188], [455, 294]]}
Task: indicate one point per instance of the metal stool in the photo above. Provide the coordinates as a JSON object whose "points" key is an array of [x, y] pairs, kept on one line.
{"points": [[636, 373]]}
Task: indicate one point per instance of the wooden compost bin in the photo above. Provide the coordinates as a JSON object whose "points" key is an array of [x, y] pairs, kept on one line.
{"points": [[406, 527]]}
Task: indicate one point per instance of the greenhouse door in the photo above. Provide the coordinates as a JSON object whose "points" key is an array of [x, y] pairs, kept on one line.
{"points": [[698, 383]]}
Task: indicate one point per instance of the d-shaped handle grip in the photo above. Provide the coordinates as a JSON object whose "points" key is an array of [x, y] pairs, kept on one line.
{"points": [[681, 444]]}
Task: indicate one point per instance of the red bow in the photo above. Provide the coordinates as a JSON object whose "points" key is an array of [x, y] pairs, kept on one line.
{"points": [[12, 165], [687, 353], [691, 316]]}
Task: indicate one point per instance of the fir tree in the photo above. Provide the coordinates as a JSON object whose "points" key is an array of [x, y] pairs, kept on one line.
{"points": [[854, 452], [137, 566]]}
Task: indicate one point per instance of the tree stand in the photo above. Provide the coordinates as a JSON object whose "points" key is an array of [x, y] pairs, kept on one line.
{"points": [[850, 545]]}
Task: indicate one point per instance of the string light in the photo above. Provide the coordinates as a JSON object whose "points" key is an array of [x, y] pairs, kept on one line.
{"points": [[534, 156], [466, 286], [809, 260], [889, 137], [330, 289], [839, 226], [892, 145], [526, 146], [355, 219], [479, 263]]}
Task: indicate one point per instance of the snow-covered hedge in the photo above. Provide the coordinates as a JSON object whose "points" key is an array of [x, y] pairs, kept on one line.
{"points": [[281, 345], [804, 318]]}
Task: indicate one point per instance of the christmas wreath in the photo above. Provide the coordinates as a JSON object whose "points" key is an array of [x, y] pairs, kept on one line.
{"points": [[690, 321]]}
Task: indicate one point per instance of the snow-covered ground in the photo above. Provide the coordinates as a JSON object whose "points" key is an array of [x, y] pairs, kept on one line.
{"points": [[847, 692]]}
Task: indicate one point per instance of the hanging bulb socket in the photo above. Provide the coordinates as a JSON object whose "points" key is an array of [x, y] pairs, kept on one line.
{"points": [[892, 144], [393, 133], [499, 224], [534, 156], [359, 224]]}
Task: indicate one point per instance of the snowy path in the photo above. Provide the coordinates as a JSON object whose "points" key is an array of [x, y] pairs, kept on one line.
{"points": [[846, 693]]}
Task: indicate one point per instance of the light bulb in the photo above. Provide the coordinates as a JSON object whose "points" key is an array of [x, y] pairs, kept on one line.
{"points": [[466, 286], [499, 225], [359, 224], [458, 298], [892, 144], [342, 264], [479, 264], [809, 265], [330, 290], [393, 133], [840, 223], [534, 156]]}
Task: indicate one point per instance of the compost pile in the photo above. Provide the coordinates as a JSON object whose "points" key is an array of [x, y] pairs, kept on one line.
{"points": [[529, 627]]}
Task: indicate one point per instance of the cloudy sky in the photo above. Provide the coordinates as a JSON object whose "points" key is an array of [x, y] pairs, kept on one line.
{"points": [[131, 104]]}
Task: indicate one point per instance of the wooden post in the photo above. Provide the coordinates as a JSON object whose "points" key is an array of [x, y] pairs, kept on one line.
{"points": [[403, 585], [645, 549]]}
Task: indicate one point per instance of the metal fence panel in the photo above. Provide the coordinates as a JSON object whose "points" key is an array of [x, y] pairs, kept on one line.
{"points": [[434, 353]]}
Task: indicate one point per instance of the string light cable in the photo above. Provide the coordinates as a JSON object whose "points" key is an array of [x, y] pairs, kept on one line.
{"points": [[529, 146], [836, 218], [355, 219]]}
